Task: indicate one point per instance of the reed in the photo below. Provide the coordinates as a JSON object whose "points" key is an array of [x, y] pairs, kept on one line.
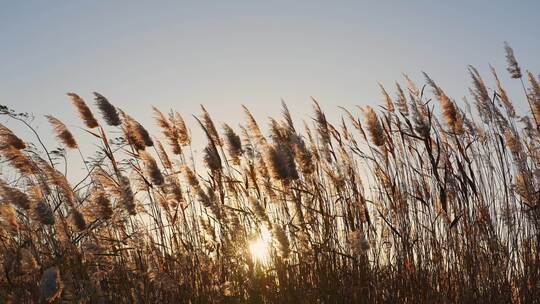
{"points": [[420, 200]]}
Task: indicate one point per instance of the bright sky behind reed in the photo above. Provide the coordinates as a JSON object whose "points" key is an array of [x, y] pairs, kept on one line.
{"points": [[226, 53]]}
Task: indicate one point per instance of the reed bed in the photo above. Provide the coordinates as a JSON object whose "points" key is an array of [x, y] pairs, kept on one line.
{"points": [[419, 200]]}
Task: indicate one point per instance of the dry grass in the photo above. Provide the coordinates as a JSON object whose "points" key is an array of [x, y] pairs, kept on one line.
{"points": [[402, 205]]}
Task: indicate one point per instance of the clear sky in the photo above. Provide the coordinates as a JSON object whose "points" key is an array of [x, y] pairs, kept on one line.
{"points": [[225, 53]]}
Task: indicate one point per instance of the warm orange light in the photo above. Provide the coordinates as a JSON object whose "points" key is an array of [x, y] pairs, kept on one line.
{"points": [[259, 248]]}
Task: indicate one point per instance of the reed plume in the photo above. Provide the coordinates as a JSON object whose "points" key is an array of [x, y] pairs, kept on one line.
{"points": [[108, 111], [168, 130], [451, 114], [125, 195], [513, 66], [43, 213], [234, 144], [135, 133], [253, 127], [77, 220], [401, 101], [102, 204], [501, 92], [212, 158], [388, 103], [183, 132], [374, 126], [8, 139], [282, 240], [211, 128], [62, 132], [152, 169], [84, 111], [18, 160], [163, 156], [534, 97], [14, 196]]}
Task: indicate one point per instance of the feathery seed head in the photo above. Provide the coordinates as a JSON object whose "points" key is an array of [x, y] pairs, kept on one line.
{"points": [[84, 111], [77, 220], [152, 169], [108, 111], [8, 139], [62, 132], [234, 144], [374, 126], [513, 66]]}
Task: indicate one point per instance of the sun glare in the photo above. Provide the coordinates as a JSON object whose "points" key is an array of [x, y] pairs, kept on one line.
{"points": [[259, 247]]}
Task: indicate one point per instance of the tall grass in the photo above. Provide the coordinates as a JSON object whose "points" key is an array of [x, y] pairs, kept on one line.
{"points": [[416, 201]]}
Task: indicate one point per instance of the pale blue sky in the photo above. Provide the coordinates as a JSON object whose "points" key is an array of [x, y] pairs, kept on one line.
{"points": [[225, 53]]}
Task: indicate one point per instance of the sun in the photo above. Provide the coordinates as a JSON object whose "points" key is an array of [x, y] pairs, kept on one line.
{"points": [[259, 247], [259, 251]]}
